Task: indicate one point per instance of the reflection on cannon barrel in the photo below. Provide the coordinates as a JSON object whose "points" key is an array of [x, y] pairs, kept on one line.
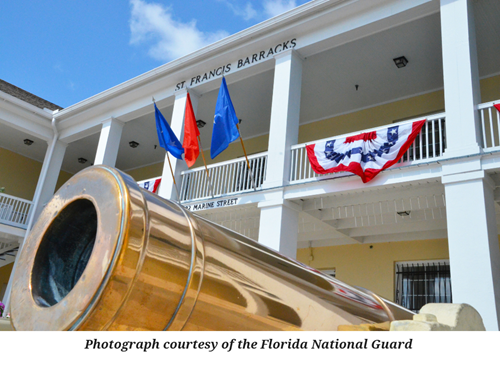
{"points": [[107, 255]]}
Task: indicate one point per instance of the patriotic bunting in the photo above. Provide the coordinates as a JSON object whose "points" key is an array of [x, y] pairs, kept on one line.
{"points": [[150, 185], [366, 154]]}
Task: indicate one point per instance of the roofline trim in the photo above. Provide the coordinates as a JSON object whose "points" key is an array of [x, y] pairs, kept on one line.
{"points": [[27, 106]]}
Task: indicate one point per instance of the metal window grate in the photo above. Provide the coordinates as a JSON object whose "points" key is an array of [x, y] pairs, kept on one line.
{"points": [[419, 283]]}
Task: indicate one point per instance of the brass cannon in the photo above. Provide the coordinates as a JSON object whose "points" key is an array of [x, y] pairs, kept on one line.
{"points": [[107, 255]]}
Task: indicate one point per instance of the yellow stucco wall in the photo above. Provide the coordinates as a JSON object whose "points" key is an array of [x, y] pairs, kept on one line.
{"points": [[373, 117], [373, 268], [147, 172], [4, 277], [19, 174], [252, 146], [490, 89]]}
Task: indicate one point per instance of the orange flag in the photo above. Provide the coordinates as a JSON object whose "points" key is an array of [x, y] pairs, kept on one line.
{"points": [[190, 143]]}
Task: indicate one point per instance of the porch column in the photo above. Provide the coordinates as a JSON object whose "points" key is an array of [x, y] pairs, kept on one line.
{"points": [[279, 223], [461, 78], [473, 240], [285, 111], [109, 142], [279, 218], [49, 175], [167, 189]]}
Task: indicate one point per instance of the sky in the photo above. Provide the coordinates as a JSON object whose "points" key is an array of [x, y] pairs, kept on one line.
{"points": [[66, 51]]}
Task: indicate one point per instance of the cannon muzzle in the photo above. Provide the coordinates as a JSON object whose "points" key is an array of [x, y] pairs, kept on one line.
{"points": [[108, 255]]}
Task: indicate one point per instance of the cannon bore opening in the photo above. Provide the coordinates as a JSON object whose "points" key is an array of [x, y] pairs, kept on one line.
{"points": [[64, 252]]}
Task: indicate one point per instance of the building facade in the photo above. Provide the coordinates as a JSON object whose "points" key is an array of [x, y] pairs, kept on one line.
{"points": [[424, 230]]}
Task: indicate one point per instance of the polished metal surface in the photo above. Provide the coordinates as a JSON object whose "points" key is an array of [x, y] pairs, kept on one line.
{"points": [[107, 255]]}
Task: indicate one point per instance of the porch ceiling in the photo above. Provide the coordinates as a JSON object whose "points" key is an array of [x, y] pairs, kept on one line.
{"points": [[13, 140], [371, 216], [8, 252]]}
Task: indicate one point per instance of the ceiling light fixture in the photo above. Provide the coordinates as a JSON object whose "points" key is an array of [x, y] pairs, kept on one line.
{"points": [[28, 142], [400, 61], [200, 123], [404, 213], [82, 160], [133, 144]]}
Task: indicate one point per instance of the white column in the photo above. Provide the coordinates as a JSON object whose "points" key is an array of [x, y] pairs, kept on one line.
{"points": [[109, 142], [278, 228], [279, 218], [49, 175], [461, 78], [473, 242], [285, 111], [167, 188]]}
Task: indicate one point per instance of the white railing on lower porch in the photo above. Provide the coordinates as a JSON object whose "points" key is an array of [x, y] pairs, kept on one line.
{"points": [[7, 246], [14, 211], [490, 125], [228, 177], [428, 146]]}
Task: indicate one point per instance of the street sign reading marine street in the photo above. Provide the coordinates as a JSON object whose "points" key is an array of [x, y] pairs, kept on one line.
{"points": [[215, 204]]}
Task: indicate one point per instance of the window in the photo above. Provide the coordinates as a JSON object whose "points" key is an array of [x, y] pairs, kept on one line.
{"points": [[422, 282]]}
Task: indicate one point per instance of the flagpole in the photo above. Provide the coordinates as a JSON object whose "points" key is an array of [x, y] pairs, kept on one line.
{"points": [[206, 169], [246, 157], [173, 177]]}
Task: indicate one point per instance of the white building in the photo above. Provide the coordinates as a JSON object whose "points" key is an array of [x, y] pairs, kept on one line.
{"points": [[322, 70]]}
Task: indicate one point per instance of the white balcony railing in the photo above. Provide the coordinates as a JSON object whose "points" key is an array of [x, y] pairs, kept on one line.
{"points": [[14, 211], [490, 124], [427, 147], [227, 178]]}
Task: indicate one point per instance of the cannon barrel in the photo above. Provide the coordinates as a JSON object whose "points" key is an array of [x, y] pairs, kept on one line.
{"points": [[107, 255]]}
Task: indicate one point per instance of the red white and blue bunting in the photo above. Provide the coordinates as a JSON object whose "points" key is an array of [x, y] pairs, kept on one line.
{"points": [[365, 154], [151, 185]]}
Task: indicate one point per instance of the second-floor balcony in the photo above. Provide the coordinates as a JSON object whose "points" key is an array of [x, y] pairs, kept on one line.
{"points": [[229, 177], [14, 211], [233, 177]]}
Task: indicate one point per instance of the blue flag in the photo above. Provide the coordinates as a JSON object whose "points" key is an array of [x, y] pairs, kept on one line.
{"points": [[225, 121], [166, 136]]}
